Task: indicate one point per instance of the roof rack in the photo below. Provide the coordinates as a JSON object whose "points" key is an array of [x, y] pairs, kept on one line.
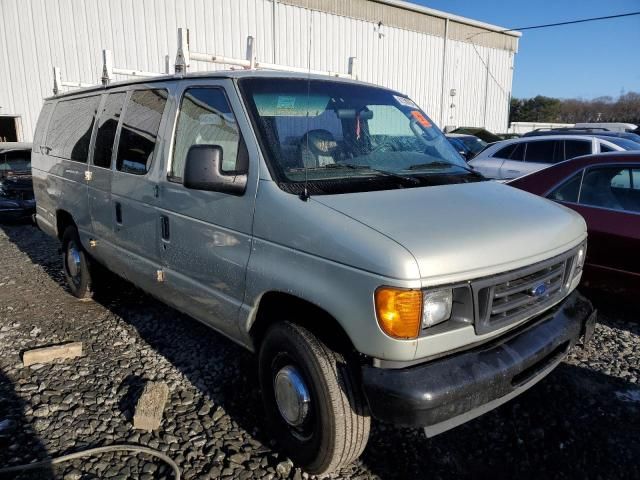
{"points": [[58, 83], [183, 60], [250, 62], [108, 70]]}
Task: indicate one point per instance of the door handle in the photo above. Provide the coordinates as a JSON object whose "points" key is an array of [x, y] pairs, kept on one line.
{"points": [[118, 213], [164, 227]]}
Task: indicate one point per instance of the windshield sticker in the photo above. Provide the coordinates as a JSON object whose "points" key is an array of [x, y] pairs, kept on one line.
{"points": [[420, 118], [405, 102]]}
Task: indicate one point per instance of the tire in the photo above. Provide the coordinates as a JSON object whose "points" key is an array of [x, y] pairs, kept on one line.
{"points": [[76, 265], [335, 429]]}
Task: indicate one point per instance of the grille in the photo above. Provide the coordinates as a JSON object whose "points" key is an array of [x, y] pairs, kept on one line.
{"points": [[522, 293]]}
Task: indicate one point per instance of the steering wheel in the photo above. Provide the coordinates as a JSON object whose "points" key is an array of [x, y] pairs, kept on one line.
{"points": [[387, 145]]}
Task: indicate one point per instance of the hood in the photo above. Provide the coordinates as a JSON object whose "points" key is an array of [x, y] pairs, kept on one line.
{"points": [[464, 231]]}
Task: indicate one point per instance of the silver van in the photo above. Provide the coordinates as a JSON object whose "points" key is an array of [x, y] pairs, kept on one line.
{"points": [[327, 225]]}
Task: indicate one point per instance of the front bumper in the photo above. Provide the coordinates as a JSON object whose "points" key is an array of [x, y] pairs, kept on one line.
{"points": [[447, 392]]}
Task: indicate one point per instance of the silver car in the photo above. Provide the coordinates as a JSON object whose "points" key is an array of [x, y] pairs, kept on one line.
{"points": [[521, 156], [327, 225]]}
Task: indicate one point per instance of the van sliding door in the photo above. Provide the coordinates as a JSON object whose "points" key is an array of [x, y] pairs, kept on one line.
{"points": [[134, 190]]}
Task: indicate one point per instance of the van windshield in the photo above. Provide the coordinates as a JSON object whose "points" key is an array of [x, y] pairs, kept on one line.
{"points": [[337, 137]]}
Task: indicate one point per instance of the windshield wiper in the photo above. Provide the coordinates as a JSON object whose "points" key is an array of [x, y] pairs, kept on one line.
{"points": [[406, 178], [441, 163]]}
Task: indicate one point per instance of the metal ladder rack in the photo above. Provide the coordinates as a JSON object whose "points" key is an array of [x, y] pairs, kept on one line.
{"points": [[185, 55], [108, 71], [182, 64]]}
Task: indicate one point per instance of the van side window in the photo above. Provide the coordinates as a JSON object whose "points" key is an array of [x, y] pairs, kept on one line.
{"points": [[139, 130], [40, 133], [107, 125], [70, 128], [205, 118]]}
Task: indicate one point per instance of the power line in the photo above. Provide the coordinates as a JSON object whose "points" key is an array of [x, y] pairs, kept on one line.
{"points": [[571, 22], [533, 27]]}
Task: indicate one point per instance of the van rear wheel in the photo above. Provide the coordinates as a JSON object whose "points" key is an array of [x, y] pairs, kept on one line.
{"points": [[314, 405], [75, 264]]}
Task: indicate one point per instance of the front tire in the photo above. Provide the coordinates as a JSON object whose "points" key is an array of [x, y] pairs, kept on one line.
{"points": [[75, 265], [314, 405]]}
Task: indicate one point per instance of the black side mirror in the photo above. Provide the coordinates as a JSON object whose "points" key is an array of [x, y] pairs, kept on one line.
{"points": [[203, 171]]}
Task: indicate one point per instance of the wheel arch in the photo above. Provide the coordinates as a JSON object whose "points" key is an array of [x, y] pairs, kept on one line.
{"points": [[276, 306], [63, 220]]}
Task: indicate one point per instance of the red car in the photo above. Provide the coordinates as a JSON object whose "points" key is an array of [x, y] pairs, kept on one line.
{"points": [[605, 190]]}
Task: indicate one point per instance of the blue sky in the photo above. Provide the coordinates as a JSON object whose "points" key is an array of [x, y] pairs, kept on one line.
{"points": [[584, 60]]}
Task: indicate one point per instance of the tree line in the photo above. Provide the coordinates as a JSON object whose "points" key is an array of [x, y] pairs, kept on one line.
{"points": [[625, 108]]}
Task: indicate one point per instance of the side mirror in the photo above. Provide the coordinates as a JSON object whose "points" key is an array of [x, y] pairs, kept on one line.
{"points": [[203, 171]]}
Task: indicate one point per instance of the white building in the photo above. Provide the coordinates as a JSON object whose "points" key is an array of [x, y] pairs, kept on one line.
{"points": [[457, 69]]}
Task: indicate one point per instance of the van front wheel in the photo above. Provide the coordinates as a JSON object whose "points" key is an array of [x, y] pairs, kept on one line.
{"points": [[314, 404], [75, 264]]}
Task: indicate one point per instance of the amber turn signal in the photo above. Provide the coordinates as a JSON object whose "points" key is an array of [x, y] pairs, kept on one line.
{"points": [[399, 311]]}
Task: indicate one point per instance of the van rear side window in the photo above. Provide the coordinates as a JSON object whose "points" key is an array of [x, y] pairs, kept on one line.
{"points": [[107, 126], [139, 130], [70, 128], [41, 126]]}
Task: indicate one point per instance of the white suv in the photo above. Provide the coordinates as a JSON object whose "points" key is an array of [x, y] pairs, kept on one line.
{"points": [[520, 156]]}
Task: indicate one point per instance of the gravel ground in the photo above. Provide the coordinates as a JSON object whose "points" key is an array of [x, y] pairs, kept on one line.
{"points": [[581, 422]]}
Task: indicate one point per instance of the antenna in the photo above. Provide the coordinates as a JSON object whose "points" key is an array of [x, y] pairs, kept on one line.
{"points": [[304, 196]]}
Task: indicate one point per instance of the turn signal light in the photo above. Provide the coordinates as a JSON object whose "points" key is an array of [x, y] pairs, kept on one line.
{"points": [[399, 312]]}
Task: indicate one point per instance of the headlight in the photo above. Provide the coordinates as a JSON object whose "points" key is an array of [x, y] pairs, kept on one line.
{"points": [[580, 258], [436, 307]]}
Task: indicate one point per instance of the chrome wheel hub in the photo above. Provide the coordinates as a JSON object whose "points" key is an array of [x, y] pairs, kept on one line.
{"points": [[73, 260], [292, 395]]}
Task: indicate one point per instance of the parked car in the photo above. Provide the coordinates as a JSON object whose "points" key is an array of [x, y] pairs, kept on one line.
{"points": [[466, 145], [514, 158], [600, 132], [481, 133], [605, 190], [16, 189], [329, 226]]}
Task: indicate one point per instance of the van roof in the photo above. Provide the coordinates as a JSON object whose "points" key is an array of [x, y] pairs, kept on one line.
{"points": [[234, 74]]}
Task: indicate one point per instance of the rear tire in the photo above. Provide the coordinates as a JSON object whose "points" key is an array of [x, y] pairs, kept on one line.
{"points": [[331, 429], [76, 265]]}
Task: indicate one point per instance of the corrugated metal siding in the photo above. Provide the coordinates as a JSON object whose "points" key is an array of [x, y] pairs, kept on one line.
{"points": [[36, 35], [482, 37], [375, 12]]}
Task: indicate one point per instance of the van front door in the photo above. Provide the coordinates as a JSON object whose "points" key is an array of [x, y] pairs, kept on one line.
{"points": [[206, 236]]}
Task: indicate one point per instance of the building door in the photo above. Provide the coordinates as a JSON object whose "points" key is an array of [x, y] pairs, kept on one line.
{"points": [[10, 128]]}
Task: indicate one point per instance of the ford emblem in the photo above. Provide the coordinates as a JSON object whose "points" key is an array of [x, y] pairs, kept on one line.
{"points": [[539, 290]]}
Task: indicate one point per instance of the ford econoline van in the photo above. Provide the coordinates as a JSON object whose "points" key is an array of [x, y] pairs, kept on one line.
{"points": [[330, 227]]}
